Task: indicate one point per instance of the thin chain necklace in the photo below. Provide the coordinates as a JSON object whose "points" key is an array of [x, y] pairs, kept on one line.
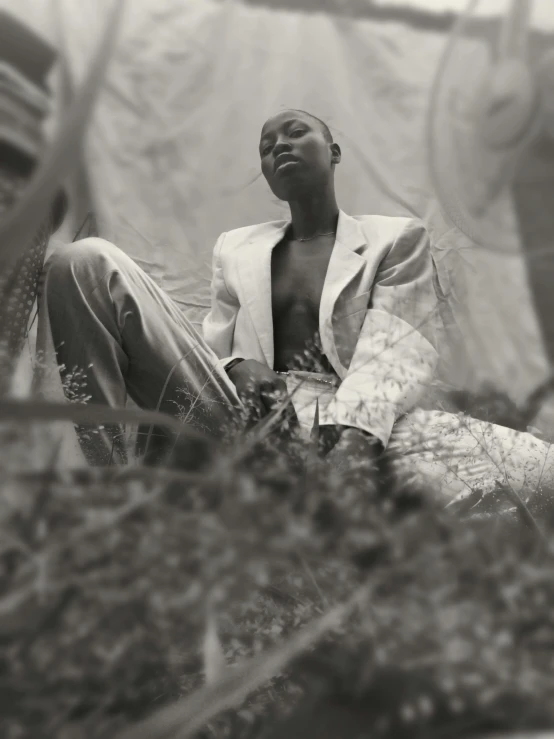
{"points": [[311, 238]]}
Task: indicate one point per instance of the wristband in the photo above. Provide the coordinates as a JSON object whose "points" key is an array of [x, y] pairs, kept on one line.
{"points": [[233, 363]]}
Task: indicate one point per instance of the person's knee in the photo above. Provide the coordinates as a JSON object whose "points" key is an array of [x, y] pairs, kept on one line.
{"points": [[75, 264]]}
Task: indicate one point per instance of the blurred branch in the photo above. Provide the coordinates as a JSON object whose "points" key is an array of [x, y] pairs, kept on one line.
{"points": [[59, 160]]}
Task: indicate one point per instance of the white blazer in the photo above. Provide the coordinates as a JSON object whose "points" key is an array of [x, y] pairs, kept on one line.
{"points": [[376, 318]]}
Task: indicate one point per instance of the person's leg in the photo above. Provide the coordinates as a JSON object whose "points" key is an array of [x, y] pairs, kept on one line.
{"points": [[459, 454], [109, 319]]}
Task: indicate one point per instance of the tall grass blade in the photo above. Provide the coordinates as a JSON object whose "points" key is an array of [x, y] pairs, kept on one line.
{"points": [[524, 513], [314, 435], [24, 219], [108, 476], [35, 410], [185, 718], [83, 201], [313, 447], [444, 181], [533, 197], [214, 656]]}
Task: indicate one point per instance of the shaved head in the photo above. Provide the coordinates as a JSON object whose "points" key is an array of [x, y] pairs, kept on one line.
{"points": [[324, 127]]}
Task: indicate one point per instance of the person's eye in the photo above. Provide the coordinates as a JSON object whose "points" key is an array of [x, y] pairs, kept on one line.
{"points": [[266, 150], [297, 132]]}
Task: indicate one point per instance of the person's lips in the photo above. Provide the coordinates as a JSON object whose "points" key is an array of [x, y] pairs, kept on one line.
{"points": [[283, 159]]}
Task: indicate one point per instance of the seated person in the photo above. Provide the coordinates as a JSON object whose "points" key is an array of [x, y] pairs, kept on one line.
{"points": [[353, 297]]}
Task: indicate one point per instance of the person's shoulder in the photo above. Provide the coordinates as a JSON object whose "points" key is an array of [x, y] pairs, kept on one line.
{"points": [[238, 237], [393, 231], [390, 225]]}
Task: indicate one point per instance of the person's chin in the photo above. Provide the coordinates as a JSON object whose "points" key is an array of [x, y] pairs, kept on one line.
{"points": [[290, 189]]}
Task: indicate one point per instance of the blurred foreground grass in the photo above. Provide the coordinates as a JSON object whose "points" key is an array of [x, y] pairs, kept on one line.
{"points": [[105, 583]]}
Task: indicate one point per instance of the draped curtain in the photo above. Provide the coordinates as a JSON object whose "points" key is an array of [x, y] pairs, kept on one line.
{"points": [[172, 152]]}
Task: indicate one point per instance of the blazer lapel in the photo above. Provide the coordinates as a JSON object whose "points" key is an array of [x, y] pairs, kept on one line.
{"points": [[254, 271], [344, 265]]}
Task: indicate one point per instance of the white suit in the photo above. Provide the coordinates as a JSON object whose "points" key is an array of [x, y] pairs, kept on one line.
{"points": [[104, 314]]}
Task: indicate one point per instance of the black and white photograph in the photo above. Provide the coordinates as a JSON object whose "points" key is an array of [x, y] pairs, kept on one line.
{"points": [[276, 369]]}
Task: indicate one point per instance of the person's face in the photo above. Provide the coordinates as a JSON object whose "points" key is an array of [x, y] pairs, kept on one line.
{"points": [[295, 155]]}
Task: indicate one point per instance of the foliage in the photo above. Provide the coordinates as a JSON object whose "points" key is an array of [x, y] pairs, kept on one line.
{"points": [[105, 581]]}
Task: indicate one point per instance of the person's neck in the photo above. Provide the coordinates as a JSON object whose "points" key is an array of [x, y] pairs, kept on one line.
{"points": [[314, 215]]}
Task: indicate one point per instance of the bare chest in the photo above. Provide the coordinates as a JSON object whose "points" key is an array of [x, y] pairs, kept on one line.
{"points": [[298, 275]]}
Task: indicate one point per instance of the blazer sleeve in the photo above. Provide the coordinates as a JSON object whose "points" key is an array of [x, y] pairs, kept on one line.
{"points": [[395, 356], [219, 325]]}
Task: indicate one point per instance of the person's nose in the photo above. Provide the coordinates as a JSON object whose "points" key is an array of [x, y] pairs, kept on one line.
{"points": [[281, 147]]}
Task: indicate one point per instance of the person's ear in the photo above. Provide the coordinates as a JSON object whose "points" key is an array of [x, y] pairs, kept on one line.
{"points": [[336, 154]]}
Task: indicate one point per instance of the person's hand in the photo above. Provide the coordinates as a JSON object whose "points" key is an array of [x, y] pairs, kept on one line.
{"points": [[259, 387], [356, 452]]}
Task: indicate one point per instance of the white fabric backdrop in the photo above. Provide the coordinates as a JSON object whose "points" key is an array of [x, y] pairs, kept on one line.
{"points": [[173, 150]]}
